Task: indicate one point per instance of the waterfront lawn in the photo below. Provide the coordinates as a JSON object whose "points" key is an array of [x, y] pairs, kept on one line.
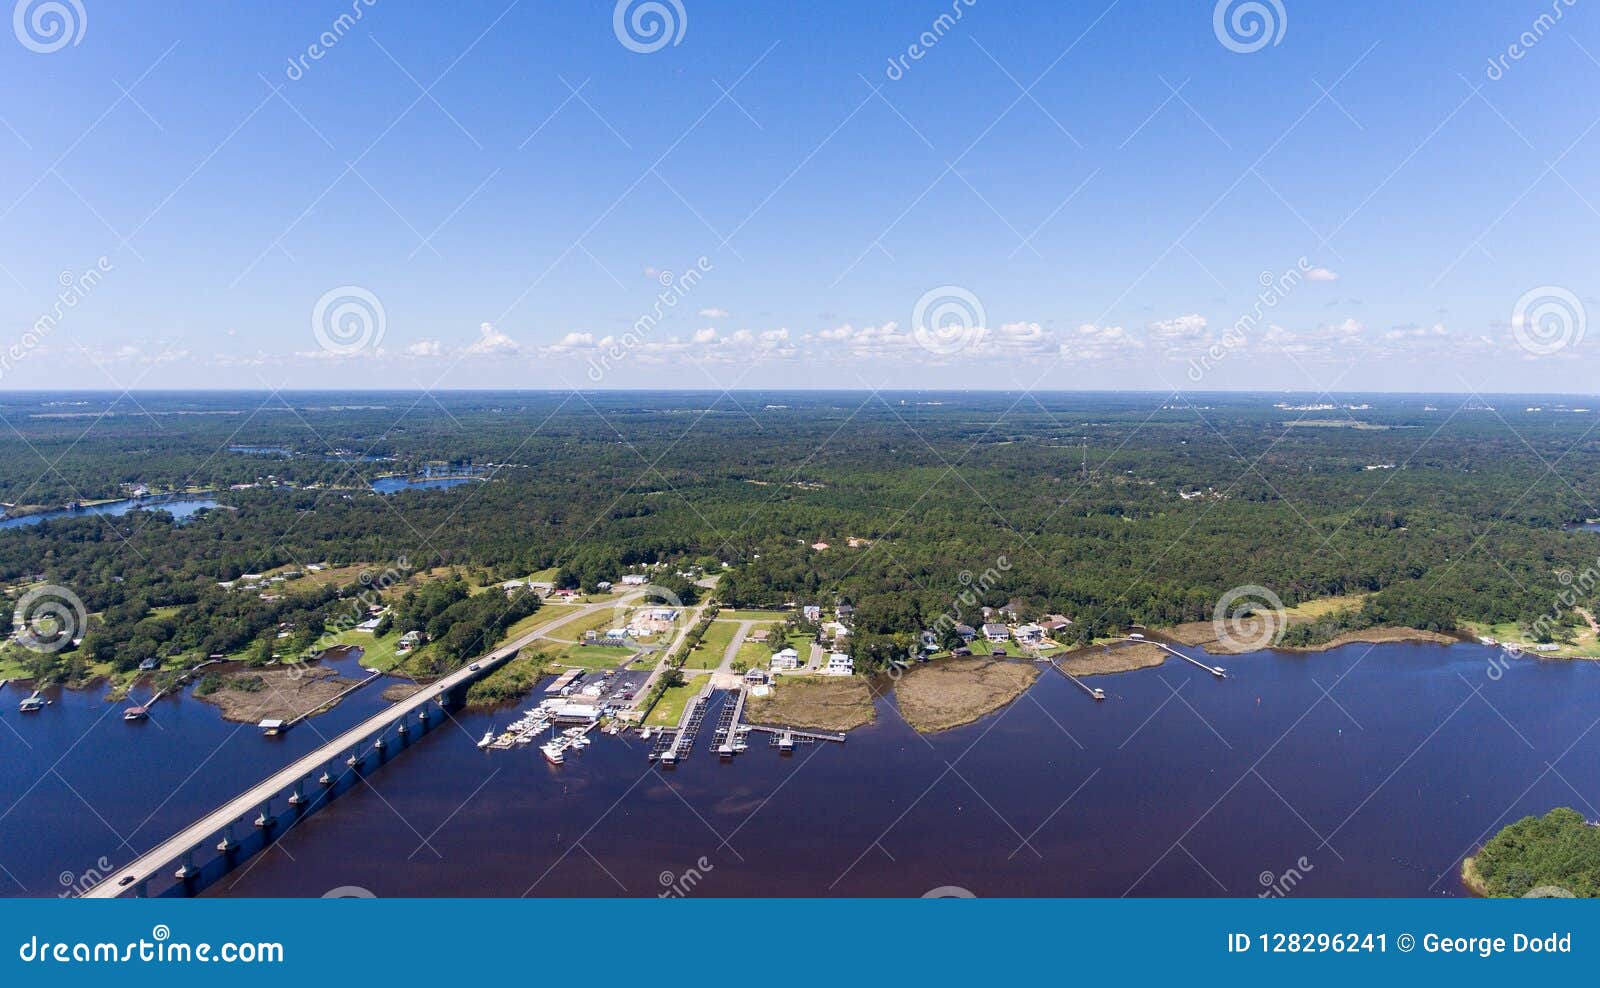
{"points": [[669, 709], [376, 653], [1584, 647]]}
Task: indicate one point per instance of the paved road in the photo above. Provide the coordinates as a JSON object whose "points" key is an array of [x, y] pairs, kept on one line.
{"points": [[196, 835]]}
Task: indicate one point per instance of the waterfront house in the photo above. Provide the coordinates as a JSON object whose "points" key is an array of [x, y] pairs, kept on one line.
{"points": [[996, 632], [1029, 634], [756, 677], [967, 632], [787, 659], [840, 664]]}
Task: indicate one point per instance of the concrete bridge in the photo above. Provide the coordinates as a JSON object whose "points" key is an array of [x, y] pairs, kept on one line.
{"points": [[343, 756]]}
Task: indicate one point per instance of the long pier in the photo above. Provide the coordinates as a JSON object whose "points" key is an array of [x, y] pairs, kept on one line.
{"points": [[1216, 671], [796, 733], [688, 726], [323, 765], [1094, 691], [331, 702], [728, 727]]}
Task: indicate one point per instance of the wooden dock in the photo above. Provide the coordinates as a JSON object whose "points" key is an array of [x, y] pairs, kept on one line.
{"points": [[1094, 691], [1216, 671], [688, 726]]}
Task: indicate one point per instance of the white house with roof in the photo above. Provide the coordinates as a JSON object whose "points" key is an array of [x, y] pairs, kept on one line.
{"points": [[634, 580], [1029, 634], [788, 659], [996, 632], [840, 664]]}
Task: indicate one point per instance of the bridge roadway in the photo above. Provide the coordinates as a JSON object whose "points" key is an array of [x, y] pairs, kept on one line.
{"points": [[259, 796]]}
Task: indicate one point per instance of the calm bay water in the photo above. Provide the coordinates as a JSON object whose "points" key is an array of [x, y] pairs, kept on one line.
{"points": [[1176, 785], [180, 506]]}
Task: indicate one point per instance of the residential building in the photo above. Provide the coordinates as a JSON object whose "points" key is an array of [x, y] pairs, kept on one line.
{"points": [[840, 664], [996, 632]]}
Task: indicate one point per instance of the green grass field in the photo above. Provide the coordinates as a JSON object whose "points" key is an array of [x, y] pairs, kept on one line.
{"points": [[590, 656], [669, 709], [708, 654], [753, 615], [538, 619]]}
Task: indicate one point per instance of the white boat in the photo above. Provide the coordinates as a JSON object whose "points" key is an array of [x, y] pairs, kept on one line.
{"points": [[644, 735], [487, 739], [552, 753], [32, 704]]}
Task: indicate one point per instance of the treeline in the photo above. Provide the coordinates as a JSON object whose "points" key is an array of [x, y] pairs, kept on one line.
{"points": [[1558, 852], [458, 623]]}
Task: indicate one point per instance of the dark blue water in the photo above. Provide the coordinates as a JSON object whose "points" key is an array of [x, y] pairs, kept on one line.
{"points": [[431, 478], [180, 506], [1178, 784]]}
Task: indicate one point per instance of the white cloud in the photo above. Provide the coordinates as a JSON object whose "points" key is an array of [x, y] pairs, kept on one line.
{"points": [[425, 348], [715, 313], [491, 341], [1322, 274]]}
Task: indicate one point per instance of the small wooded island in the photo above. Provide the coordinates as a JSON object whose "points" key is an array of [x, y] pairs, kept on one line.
{"points": [[1549, 856]]}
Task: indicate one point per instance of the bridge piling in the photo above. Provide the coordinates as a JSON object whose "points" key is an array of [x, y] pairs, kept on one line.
{"points": [[227, 845]]}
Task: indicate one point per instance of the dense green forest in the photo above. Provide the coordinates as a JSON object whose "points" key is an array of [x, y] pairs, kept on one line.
{"points": [[1556, 851], [1110, 508]]}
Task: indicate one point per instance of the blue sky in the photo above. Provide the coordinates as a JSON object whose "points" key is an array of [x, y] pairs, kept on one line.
{"points": [[1081, 195]]}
